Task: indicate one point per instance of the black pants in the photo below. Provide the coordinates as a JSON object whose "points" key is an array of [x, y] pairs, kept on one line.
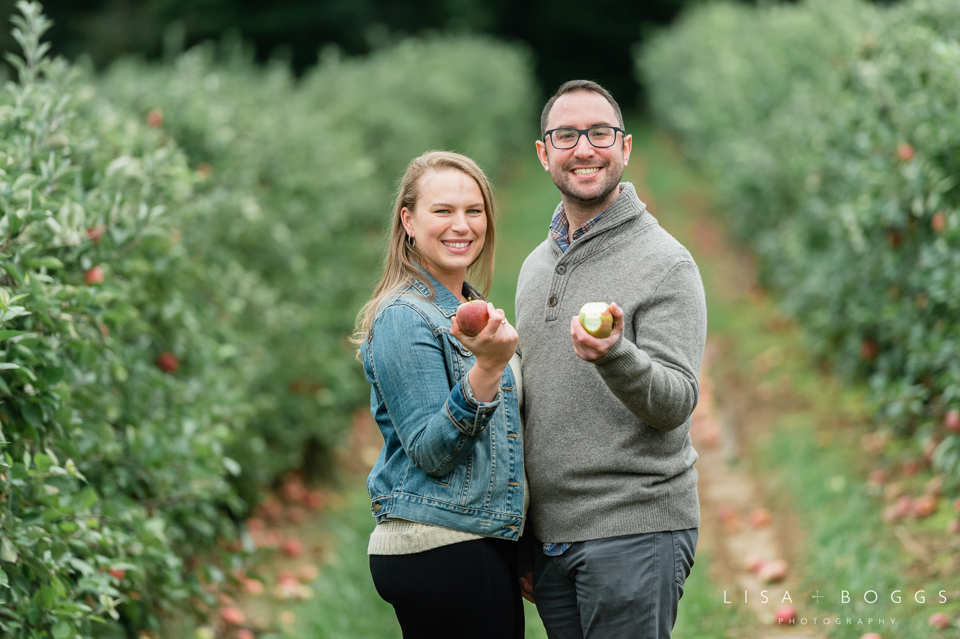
{"points": [[467, 590]]}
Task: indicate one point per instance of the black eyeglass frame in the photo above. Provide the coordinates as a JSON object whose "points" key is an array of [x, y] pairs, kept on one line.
{"points": [[549, 134]]}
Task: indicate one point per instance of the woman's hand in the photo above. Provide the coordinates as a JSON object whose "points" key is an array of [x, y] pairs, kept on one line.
{"points": [[493, 347]]}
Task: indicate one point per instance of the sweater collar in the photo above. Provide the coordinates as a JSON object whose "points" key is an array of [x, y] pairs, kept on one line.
{"points": [[626, 207]]}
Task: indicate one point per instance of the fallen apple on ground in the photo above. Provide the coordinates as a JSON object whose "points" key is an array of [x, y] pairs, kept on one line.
{"points": [[786, 614], [940, 620], [233, 616], [773, 571], [472, 317], [596, 319]]}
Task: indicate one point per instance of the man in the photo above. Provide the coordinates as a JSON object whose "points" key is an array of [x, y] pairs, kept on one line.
{"points": [[606, 444]]}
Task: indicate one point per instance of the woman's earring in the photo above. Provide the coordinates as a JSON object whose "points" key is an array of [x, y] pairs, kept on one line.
{"points": [[411, 241]]}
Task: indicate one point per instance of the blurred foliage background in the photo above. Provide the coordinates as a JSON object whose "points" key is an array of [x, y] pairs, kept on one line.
{"points": [[567, 40]]}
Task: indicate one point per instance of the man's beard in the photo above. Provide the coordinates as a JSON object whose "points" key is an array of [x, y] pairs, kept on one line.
{"points": [[566, 186]]}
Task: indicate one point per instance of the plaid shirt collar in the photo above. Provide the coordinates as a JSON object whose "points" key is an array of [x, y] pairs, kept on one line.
{"points": [[560, 228]]}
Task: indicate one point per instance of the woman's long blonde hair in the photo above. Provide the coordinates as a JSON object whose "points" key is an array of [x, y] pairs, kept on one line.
{"points": [[400, 265]]}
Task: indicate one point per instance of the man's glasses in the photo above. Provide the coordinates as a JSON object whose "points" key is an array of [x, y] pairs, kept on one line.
{"points": [[599, 136]]}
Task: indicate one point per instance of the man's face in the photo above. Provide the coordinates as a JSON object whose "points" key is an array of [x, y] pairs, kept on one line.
{"points": [[585, 175]]}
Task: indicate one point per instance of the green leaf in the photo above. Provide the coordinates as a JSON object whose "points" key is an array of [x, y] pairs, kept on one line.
{"points": [[8, 366], [3, 579], [33, 415], [62, 630], [232, 466], [42, 462], [9, 333], [8, 551]]}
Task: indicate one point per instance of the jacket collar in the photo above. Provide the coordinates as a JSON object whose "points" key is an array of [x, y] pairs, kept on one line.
{"points": [[443, 299]]}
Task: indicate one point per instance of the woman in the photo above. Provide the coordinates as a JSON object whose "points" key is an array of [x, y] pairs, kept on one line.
{"points": [[447, 490]]}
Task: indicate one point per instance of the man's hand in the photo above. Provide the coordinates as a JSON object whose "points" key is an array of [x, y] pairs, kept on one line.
{"points": [[589, 347], [526, 586]]}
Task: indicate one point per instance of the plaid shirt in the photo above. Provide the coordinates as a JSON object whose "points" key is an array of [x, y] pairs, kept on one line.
{"points": [[560, 228], [560, 231]]}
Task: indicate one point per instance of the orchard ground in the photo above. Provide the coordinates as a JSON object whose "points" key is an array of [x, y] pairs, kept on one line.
{"points": [[792, 503]]}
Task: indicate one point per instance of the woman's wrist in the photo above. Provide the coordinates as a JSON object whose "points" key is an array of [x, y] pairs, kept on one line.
{"points": [[484, 381]]}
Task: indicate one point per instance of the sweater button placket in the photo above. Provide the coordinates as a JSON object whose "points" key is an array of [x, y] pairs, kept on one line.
{"points": [[561, 269]]}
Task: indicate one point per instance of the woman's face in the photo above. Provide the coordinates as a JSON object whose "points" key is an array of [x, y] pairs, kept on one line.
{"points": [[449, 223]]}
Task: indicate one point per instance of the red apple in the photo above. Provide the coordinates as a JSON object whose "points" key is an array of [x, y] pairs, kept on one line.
{"points": [[255, 523], [307, 572], [773, 571], [952, 420], [786, 614], [93, 276], [925, 506], [938, 222], [233, 616], [287, 578], [168, 362], [253, 586], [155, 118], [118, 573], [940, 620], [754, 563], [905, 152], [292, 548], [245, 633], [472, 317], [759, 517], [94, 232], [871, 635], [596, 319]]}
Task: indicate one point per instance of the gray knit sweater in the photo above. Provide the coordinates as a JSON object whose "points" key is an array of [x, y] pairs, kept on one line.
{"points": [[606, 443]]}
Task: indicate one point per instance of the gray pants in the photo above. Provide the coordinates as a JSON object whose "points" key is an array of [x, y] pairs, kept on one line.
{"points": [[615, 588]]}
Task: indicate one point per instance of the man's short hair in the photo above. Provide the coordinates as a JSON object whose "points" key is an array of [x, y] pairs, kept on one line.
{"points": [[571, 87]]}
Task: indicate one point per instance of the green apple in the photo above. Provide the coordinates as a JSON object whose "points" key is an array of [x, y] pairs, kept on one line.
{"points": [[596, 319]]}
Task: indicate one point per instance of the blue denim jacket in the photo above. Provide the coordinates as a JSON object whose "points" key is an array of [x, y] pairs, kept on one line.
{"points": [[447, 459]]}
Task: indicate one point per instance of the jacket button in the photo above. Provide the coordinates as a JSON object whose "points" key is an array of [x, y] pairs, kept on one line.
{"points": [[561, 269], [552, 301]]}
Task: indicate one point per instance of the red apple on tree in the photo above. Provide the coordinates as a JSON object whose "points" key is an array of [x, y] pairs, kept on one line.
{"points": [[905, 152], [938, 222], [596, 319], [93, 276], [952, 421], [472, 317], [118, 573], [94, 232], [168, 362], [155, 118]]}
